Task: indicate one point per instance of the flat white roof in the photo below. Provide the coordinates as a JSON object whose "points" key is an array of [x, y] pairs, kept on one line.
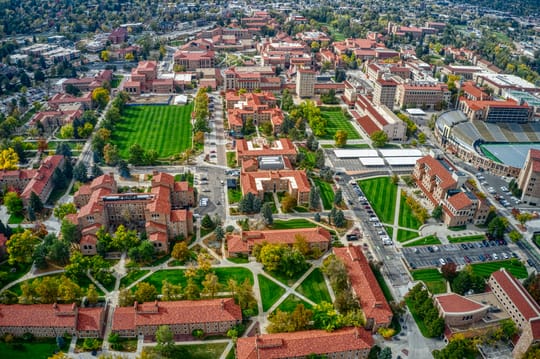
{"points": [[415, 112], [371, 161], [401, 153], [401, 161], [355, 153]]}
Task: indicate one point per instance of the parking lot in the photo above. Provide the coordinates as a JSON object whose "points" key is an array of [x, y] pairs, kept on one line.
{"points": [[459, 253]]}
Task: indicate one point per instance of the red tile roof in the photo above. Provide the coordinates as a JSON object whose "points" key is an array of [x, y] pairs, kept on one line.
{"points": [[365, 285], [39, 181], [460, 201], [248, 183], [50, 316], [455, 303], [437, 169], [534, 155], [180, 215], [243, 242], [517, 294], [176, 312], [302, 344], [281, 147]]}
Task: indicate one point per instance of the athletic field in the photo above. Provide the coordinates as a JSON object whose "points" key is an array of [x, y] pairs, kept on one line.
{"points": [[166, 129]]}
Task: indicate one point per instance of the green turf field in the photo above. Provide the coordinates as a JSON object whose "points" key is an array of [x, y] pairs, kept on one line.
{"points": [[381, 193], [326, 193], [406, 216], [423, 241], [166, 129], [432, 278], [514, 266], [337, 121]]}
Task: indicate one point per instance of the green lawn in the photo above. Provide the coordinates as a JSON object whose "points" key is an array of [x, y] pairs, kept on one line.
{"points": [[38, 349], [238, 260], [166, 129], [176, 276], [204, 351], [384, 287], [293, 224], [336, 120], [432, 278], [514, 266], [132, 276], [404, 235], [420, 323], [314, 287], [406, 216], [290, 303], [116, 81], [231, 159], [286, 280], [270, 291], [21, 269], [326, 192], [424, 241], [15, 219], [389, 230], [381, 193], [474, 238], [234, 195]]}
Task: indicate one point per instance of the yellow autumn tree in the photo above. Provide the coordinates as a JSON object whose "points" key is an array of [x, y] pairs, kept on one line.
{"points": [[9, 159]]}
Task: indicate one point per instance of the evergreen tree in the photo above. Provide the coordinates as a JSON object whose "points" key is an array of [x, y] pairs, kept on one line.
{"points": [[339, 219], [80, 172], [314, 198], [123, 169], [317, 217], [35, 203], [319, 158], [338, 197], [266, 212], [96, 171], [67, 169]]}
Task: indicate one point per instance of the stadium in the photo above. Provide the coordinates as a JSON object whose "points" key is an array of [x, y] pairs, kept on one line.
{"points": [[500, 148]]}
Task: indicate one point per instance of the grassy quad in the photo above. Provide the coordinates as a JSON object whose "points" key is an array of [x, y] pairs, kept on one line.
{"points": [[293, 224], [381, 193], [270, 291], [336, 120], [424, 241], [433, 279], [176, 276], [132, 276], [404, 235], [166, 129], [39, 348], [514, 266], [314, 287], [290, 303], [473, 238], [406, 216], [326, 192]]}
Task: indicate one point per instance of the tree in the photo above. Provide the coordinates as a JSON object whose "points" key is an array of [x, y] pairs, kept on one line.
{"points": [[35, 202], [92, 294], [20, 247], [13, 203], [449, 271], [270, 256], [339, 219], [288, 203], [192, 290], [379, 138], [125, 298], [59, 251], [386, 353], [515, 236], [136, 155], [85, 131], [338, 197], [266, 212], [64, 209], [314, 198], [180, 251], [100, 96], [145, 292], [170, 291], [70, 232], [497, 227], [47, 289], [80, 172], [123, 169], [532, 284], [67, 131], [68, 291], [219, 233], [523, 217], [207, 222], [319, 158], [341, 138], [9, 159], [204, 262], [211, 285], [96, 171], [437, 212], [244, 295], [124, 239], [164, 340], [297, 320], [63, 149]]}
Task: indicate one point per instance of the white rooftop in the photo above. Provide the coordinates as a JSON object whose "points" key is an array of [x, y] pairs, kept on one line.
{"points": [[371, 161], [401, 153], [355, 153], [402, 161], [415, 112]]}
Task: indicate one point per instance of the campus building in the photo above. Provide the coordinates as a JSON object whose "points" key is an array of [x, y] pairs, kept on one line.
{"points": [[85, 84], [305, 82], [529, 178], [496, 111], [213, 316], [384, 92], [250, 150], [252, 78], [348, 343], [523, 309], [51, 320], [243, 243], [52, 120], [373, 118], [294, 182], [161, 213], [441, 183], [427, 95], [459, 311], [256, 107], [366, 288], [191, 60]]}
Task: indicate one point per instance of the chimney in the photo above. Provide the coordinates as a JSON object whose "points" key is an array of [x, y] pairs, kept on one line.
{"points": [[55, 306], [222, 304]]}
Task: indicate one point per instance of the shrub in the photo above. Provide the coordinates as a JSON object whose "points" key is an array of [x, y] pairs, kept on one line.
{"points": [[386, 332], [198, 333]]}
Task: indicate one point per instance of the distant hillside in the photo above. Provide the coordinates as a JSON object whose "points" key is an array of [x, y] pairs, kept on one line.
{"points": [[517, 7]]}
